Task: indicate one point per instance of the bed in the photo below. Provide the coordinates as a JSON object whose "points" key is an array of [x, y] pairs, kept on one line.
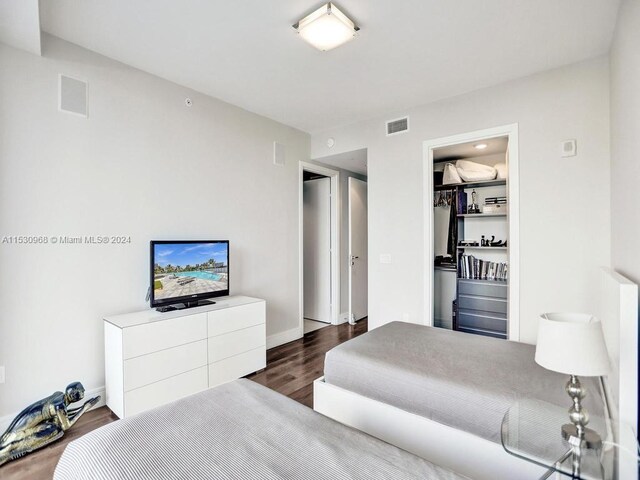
{"points": [[237, 430], [464, 381], [435, 404]]}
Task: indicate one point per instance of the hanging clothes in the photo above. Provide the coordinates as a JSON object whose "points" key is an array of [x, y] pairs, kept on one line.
{"points": [[452, 238]]}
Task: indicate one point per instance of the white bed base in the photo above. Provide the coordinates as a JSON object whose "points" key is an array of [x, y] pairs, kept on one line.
{"points": [[482, 459], [460, 451]]}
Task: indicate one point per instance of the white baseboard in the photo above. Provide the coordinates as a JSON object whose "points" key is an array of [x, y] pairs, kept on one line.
{"points": [[97, 391], [7, 419], [283, 337]]}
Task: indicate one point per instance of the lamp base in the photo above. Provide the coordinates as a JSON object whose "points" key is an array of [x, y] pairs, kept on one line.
{"points": [[589, 439]]}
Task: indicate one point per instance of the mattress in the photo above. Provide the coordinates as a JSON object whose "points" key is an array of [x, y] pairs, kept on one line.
{"points": [[240, 430], [464, 381]]}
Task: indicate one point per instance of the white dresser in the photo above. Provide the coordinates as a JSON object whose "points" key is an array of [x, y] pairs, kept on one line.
{"points": [[153, 358]]}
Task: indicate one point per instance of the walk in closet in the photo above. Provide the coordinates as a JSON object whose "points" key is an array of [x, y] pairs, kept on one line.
{"points": [[470, 237]]}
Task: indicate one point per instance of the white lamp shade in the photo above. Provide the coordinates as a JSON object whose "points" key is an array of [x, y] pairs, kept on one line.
{"points": [[572, 343], [326, 28]]}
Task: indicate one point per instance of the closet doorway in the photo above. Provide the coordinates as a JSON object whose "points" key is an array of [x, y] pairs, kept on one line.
{"points": [[318, 246], [471, 231]]}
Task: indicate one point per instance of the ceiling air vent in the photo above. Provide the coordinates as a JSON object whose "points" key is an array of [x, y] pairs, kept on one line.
{"points": [[397, 126]]}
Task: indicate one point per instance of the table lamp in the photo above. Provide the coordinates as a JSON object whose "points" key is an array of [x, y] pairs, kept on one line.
{"points": [[573, 343]]}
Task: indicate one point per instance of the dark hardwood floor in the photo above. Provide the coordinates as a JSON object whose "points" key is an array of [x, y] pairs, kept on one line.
{"points": [[41, 464], [292, 367], [291, 370]]}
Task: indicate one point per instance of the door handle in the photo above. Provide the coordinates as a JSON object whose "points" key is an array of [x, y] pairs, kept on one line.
{"points": [[353, 257]]}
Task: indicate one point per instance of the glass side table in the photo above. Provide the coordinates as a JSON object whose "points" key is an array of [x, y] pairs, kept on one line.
{"points": [[531, 431]]}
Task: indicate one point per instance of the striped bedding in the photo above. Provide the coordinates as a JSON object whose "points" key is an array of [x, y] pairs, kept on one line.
{"points": [[240, 430]]}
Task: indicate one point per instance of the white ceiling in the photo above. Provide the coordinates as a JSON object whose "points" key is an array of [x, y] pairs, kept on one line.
{"points": [[355, 161], [408, 52], [495, 146]]}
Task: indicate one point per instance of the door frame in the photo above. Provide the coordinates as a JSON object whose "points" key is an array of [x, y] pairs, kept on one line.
{"points": [[335, 240], [350, 277], [513, 192]]}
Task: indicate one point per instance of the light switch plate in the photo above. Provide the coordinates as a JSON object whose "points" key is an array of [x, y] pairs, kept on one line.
{"points": [[385, 258]]}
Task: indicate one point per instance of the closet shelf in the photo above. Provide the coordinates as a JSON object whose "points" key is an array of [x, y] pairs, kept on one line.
{"points": [[482, 248], [471, 215], [484, 281], [446, 268], [483, 183]]}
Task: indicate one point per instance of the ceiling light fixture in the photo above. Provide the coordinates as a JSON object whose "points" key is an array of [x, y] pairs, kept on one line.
{"points": [[480, 146], [326, 28]]}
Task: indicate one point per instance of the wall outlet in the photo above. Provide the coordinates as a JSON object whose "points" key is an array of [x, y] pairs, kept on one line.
{"points": [[385, 258], [2, 374]]}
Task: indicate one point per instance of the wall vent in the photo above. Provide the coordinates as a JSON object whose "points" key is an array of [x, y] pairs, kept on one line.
{"points": [[72, 96], [399, 125]]}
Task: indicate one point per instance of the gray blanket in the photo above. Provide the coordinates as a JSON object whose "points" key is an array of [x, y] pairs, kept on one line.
{"points": [[240, 430], [465, 381]]}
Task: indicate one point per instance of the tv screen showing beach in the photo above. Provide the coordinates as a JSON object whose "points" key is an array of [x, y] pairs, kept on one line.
{"points": [[186, 269]]}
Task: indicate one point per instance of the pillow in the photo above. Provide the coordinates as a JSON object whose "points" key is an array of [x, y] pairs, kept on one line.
{"points": [[473, 172], [502, 170], [450, 175]]}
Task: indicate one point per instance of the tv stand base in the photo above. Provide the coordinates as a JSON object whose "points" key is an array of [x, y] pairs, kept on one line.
{"points": [[182, 306]]}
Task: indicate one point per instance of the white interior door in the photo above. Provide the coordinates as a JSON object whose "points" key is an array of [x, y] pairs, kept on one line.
{"points": [[358, 256], [317, 249]]}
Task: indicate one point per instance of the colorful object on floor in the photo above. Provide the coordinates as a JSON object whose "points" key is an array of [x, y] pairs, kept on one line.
{"points": [[43, 422]]}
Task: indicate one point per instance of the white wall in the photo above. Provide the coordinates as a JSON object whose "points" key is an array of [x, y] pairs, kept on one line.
{"points": [[20, 24], [564, 213], [625, 141], [142, 165], [343, 186]]}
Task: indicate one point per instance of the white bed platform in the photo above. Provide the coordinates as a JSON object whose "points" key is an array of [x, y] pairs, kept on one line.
{"points": [[483, 459], [458, 450]]}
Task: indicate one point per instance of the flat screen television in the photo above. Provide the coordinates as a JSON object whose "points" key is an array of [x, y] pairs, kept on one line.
{"points": [[184, 273]]}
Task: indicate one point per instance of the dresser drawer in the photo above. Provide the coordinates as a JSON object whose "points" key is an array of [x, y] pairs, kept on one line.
{"points": [[484, 289], [162, 334], [146, 369], [165, 391], [235, 367], [475, 320], [234, 343], [486, 304], [484, 333], [231, 319]]}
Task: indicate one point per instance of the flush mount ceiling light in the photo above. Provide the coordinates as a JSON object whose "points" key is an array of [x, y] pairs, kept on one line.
{"points": [[480, 146], [326, 28]]}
